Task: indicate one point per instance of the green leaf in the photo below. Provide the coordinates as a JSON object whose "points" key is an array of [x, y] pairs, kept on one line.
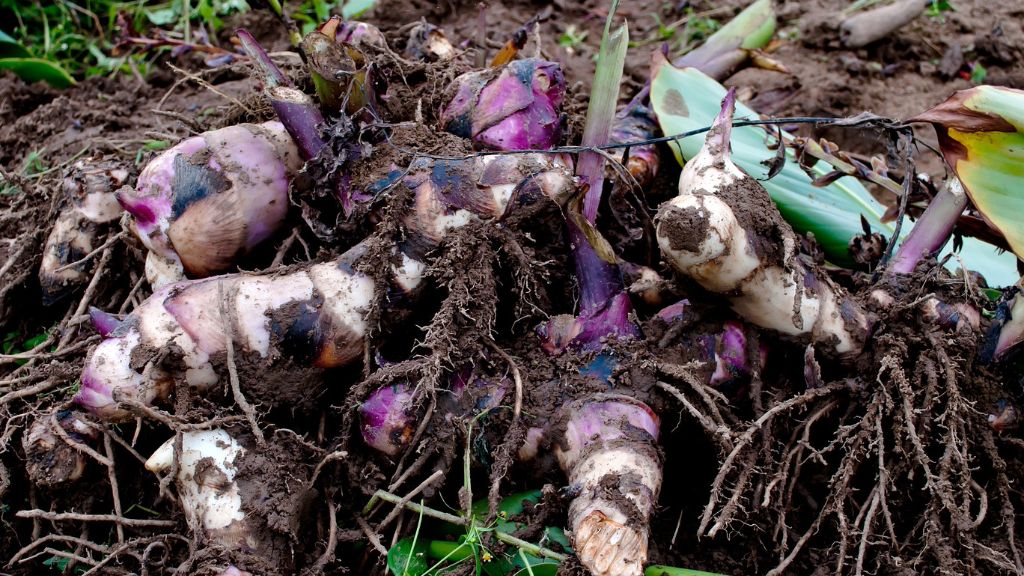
{"points": [[406, 560], [751, 29], [539, 566], [686, 99], [163, 16], [35, 69], [11, 48], [355, 8], [670, 571], [981, 132]]}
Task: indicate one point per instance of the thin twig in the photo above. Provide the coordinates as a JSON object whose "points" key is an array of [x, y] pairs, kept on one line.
{"points": [[372, 536], [112, 476], [408, 498], [59, 430], [44, 386], [339, 455], [76, 517], [236, 389], [332, 539], [516, 377], [110, 242]]}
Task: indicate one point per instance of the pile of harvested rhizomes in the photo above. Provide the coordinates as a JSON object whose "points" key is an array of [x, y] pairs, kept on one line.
{"points": [[899, 460]]}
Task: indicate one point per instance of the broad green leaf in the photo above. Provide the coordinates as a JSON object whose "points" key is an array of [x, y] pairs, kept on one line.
{"points": [[686, 99], [404, 559], [981, 132], [670, 571], [35, 69], [11, 48], [538, 566]]}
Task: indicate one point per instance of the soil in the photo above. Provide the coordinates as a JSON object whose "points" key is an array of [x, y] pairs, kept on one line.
{"points": [[802, 464]]}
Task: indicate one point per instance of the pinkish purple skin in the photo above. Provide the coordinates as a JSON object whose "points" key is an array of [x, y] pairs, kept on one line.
{"points": [[258, 173], [103, 322], [93, 394], [517, 110], [730, 354], [673, 312], [354, 32], [603, 420], [612, 320], [152, 198], [387, 420], [586, 332], [108, 365]]}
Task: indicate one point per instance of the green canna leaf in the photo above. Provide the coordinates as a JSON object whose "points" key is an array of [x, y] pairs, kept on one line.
{"points": [[35, 69], [408, 557], [685, 99], [981, 132], [11, 48]]}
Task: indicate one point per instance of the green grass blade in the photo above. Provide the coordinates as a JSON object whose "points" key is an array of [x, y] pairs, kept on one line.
{"points": [[686, 99], [35, 69], [670, 571]]}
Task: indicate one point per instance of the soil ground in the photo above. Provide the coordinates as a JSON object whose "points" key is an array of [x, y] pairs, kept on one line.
{"points": [[904, 74]]}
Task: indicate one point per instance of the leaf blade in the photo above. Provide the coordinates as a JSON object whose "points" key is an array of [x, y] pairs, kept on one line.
{"points": [[981, 133], [36, 69]]}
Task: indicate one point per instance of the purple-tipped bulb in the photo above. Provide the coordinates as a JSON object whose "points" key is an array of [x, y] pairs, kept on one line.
{"points": [[512, 108], [388, 418], [730, 354], [103, 322], [211, 198]]}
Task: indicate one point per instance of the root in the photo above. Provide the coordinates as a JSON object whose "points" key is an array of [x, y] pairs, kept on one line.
{"points": [[904, 469]]}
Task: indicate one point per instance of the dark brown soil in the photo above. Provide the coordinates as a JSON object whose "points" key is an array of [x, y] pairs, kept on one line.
{"points": [[911, 420]]}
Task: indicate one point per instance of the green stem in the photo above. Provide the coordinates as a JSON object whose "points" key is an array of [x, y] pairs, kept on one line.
{"points": [[415, 536], [529, 547], [460, 521], [421, 509]]}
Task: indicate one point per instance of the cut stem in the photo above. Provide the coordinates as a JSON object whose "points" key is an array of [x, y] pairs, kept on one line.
{"points": [[297, 111], [599, 280], [933, 228]]}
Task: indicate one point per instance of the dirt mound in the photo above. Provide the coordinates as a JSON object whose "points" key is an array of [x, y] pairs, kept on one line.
{"points": [[800, 465]]}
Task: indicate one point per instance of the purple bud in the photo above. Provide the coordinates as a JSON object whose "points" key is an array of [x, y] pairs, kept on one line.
{"points": [[213, 197], [586, 332], [388, 419], [143, 209], [673, 312], [638, 125], [512, 108], [104, 323]]}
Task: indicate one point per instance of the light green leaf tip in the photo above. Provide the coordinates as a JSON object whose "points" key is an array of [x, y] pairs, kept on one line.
{"points": [[686, 99]]}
